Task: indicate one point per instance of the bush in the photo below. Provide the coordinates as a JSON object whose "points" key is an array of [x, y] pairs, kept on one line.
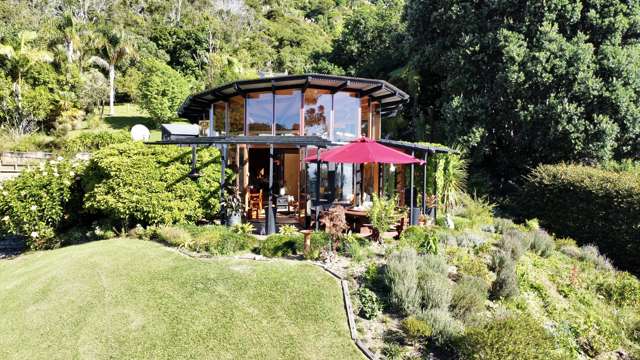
{"points": [[394, 351], [370, 306], [402, 278], [174, 236], [435, 290], [445, 329], [501, 225], [355, 247], [469, 296], [382, 214], [590, 205], [469, 238], [94, 140], [422, 239], [216, 239], [541, 243], [416, 329], [591, 254], [161, 90], [622, 289], [506, 284], [433, 264], [133, 183], [288, 230], [514, 243], [40, 202], [374, 279], [278, 245], [513, 337], [468, 264], [243, 228], [319, 241]]}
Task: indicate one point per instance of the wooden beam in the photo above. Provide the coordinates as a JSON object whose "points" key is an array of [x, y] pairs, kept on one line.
{"points": [[371, 90]]}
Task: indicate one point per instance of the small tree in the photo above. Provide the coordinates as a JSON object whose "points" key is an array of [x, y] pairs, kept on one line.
{"points": [[161, 90], [335, 224], [382, 215]]}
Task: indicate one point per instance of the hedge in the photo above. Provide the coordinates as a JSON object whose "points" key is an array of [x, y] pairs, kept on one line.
{"points": [[591, 205]]}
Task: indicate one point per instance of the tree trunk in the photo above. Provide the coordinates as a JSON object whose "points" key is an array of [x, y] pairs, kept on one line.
{"points": [[112, 92]]}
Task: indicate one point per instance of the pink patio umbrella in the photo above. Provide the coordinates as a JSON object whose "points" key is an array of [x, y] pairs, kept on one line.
{"points": [[362, 151]]}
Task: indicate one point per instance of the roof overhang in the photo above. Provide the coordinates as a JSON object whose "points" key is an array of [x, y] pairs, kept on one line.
{"points": [[391, 98]]}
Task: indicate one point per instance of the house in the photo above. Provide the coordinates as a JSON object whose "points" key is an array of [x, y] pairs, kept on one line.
{"points": [[266, 127]]}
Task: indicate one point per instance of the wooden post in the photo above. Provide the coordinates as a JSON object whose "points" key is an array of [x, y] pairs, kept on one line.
{"points": [[424, 184], [411, 222], [317, 204]]}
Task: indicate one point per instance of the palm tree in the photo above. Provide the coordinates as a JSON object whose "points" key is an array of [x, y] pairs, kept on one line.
{"points": [[115, 46], [20, 59]]}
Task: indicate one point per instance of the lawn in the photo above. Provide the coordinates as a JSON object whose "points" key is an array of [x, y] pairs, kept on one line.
{"points": [[134, 299]]}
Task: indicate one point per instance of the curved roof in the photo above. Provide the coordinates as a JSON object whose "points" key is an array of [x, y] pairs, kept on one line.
{"points": [[391, 98]]}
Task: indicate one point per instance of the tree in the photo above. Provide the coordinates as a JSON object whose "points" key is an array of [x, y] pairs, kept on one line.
{"points": [[20, 58], [520, 84], [115, 46], [161, 90]]}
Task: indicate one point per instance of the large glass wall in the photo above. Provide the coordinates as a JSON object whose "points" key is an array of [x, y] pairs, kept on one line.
{"points": [[288, 103], [259, 113], [364, 116], [376, 126], [236, 115], [218, 118], [317, 112], [345, 119]]}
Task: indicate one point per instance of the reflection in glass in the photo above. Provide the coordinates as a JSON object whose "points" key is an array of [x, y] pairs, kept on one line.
{"points": [[317, 112], [259, 113], [287, 112], [345, 121], [218, 118], [236, 115], [376, 126], [364, 116]]}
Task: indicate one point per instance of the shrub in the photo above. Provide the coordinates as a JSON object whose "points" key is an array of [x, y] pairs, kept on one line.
{"points": [[373, 278], [571, 251], [355, 247], [591, 254], [435, 290], [280, 245], [502, 225], [478, 212], [422, 239], [174, 236], [243, 228], [469, 238], [532, 224], [319, 241], [402, 278], [416, 329], [621, 289], [468, 264], [161, 90], [335, 224], [94, 140], [514, 243], [433, 264], [288, 230], [513, 337], [370, 306], [218, 240], [134, 183], [444, 328], [566, 241], [382, 214], [469, 296], [588, 204], [394, 351], [506, 284], [40, 202], [541, 243]]}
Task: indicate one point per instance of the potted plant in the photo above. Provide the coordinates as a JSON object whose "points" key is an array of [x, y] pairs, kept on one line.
{"points": [[232, 206]]}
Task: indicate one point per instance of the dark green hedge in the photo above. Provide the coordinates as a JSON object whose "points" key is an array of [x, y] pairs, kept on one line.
{"points": [[590, 205]]}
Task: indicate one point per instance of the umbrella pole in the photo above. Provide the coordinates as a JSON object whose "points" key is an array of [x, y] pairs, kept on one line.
{"points": [[317, 207], [271, 226], [424, 184]]}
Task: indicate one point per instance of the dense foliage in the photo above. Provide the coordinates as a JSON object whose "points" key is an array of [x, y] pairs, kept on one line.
{"points": [[135, 183], [161, 90], [520, 84], [40, 202], [588, 204]]}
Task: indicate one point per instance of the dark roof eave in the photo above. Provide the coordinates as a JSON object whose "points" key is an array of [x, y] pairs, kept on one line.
{"points": [[301, 141]]}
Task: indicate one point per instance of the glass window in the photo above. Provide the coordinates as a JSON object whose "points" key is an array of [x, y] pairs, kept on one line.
{"points": [[376, 126], [236, 115], [344, 182], [317, 112], [288, 112], [346, 111], [364, 116], [218, 118], [260, 113]]}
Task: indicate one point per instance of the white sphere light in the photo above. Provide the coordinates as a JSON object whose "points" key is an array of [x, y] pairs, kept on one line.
{"points": [[139, 133]]}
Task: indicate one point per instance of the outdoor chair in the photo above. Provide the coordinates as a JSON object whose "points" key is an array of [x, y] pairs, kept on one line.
{"points": [[255, 205]]}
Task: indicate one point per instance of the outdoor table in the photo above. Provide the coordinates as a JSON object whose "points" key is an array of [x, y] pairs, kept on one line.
{"points": [[358, 217]]}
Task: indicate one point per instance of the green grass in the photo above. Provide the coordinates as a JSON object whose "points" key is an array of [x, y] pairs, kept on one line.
{"points": [[127, 115], [134, 299]]}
